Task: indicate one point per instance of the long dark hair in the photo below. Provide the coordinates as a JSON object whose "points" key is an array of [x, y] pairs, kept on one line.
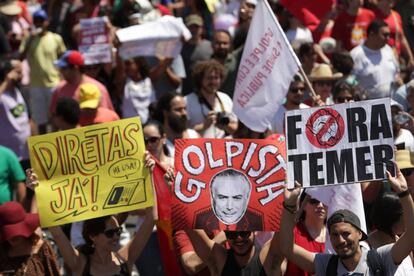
{"points": [[92, 227]]}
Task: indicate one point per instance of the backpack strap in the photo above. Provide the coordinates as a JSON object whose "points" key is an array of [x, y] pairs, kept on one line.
{"points": [[374, 262], [332, 267]]}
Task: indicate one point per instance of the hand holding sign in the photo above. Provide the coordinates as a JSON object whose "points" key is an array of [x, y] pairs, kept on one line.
{"points": [[398, 183]]}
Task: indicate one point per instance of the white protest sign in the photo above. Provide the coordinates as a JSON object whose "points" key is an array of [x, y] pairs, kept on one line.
{"points": [[266, 69], [94, 41], [344, 143], [161, 38]]}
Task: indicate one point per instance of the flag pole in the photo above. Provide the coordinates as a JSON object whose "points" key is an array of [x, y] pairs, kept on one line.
{"points": [[308, 83], [292, 52]]}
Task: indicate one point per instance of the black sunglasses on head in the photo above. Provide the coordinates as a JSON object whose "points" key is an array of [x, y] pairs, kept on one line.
{"points": [[111, 232], [232, 235]]}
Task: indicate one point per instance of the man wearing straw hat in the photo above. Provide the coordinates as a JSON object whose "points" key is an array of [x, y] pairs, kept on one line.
{"points": [[322, 79]]}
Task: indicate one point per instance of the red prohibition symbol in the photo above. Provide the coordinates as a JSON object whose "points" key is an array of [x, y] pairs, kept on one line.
{"points": [[325, 128]]}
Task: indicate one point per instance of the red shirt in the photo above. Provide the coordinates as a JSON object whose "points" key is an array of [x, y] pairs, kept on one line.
{"points": [[303, 239], [182, 244], [65, 89], [102, 115], [352, 30], [394, 22]]}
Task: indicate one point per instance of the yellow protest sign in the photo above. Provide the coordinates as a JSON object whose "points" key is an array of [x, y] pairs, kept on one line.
{"points": [[90, 172]]}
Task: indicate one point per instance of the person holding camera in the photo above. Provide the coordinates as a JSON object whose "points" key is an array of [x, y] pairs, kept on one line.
{"points": [[209, 110]]}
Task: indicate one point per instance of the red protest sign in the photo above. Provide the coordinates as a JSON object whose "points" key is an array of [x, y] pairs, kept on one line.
{"points": [[228, 184]]}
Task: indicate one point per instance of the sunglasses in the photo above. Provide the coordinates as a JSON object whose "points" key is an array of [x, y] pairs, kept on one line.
{"points": [[232, 235], [407, 172], [313, 201], [151, 140], [111, 232], [344, 99], [296, 90]]}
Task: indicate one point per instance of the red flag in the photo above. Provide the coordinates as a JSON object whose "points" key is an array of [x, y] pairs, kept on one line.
{"points": [[310, 12], [164, 229]]}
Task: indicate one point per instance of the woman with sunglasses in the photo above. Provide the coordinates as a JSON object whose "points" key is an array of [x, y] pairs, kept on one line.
{"points": [[310, 230], [343, 92], [101, 255], [155, 139]]}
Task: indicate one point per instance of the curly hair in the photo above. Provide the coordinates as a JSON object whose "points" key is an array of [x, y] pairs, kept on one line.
{"points": [[203, 67]]}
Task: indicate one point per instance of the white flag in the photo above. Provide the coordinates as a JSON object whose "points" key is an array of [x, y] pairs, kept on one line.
{"points": [[266, 69], [340, 197]]}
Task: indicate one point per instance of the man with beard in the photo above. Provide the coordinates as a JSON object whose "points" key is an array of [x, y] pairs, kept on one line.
{"points": [[345, 234], [171, 111], [294, 99], [222, 46], [209, 110], [242, 258]]}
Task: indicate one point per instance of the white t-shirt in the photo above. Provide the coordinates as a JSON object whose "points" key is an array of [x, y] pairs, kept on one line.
{"points": [[137, 97], [191, 133], [405, 137], [375, 70], [197, 112], [278, 121]]}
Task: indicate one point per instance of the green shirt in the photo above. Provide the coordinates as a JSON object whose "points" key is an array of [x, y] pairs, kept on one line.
{"points": [[10, 173]]}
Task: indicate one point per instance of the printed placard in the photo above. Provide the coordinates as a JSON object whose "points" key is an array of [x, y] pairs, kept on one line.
{"points": [[338, 144], [90, 172], [94, 41], [228, 184]]}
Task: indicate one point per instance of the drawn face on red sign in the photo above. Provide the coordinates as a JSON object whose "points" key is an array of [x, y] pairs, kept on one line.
{"points": [[225, 184], [325, 128]]}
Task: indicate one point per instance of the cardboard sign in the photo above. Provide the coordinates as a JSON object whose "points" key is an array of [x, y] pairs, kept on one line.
{"points": [[94, 41], [344, 143], [161, 38], [228, 184], [90, 172]]}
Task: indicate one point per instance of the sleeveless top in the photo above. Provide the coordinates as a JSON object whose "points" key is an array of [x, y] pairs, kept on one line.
{"points": [[124, 267], [253, 268], [41, 263]]}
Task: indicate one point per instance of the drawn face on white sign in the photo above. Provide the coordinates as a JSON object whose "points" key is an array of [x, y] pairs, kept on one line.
{"points": [[230, 193]]}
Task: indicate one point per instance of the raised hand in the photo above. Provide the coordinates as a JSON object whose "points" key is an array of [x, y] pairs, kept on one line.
{"points": [[398, 183], [149, 162], [32, 180], [291, 196]]}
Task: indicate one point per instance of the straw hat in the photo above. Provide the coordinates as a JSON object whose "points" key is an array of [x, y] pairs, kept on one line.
{"points": [[10, 8], [14, 221], [403, 159], [323, 72]]}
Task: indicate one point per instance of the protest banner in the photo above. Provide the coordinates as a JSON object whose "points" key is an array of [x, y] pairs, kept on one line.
{"points": [[344, 143], [94, 41], [266, 69], [161, 38], [228, 184], [90, 172]]}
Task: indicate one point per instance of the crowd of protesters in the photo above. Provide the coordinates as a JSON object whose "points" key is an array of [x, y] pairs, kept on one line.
{"points": [[359, 50]]}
